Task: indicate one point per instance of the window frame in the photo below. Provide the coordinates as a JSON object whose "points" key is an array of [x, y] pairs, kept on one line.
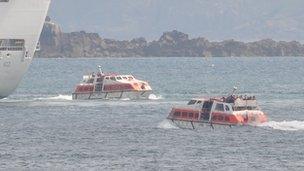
{"points": [[222, 109]]}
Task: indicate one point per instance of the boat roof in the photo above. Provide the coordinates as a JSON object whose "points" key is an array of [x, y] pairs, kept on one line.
{"points": [[108, 75], [207, 98], [236, 100]]}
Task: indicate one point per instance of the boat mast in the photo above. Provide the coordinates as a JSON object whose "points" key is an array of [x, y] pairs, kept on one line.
{"points": [[100, 69]]}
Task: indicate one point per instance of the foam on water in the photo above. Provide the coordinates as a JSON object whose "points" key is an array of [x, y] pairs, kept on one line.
{"points": [[212, 65], [59, 97], [125, 99], [155, 97], [166, 124], [285, 125]]}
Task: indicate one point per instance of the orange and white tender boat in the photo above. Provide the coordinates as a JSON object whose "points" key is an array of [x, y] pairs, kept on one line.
{"points": [[231, 111], [111, 86]]}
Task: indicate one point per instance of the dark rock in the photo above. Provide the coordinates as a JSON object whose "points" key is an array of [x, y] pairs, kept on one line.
{"points": [[55, 43]]}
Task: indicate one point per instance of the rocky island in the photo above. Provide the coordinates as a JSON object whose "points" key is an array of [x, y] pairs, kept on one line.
{"points": [[55, 43]]}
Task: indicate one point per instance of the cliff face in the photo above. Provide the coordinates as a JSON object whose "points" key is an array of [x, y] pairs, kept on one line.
{"points": [[55, 43], [50, 40]]}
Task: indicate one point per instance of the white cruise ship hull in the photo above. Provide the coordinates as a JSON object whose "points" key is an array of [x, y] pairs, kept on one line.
{"points": [[20, 20], [11, 72]]}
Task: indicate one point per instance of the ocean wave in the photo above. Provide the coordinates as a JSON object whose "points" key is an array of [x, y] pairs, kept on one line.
{"points": [[285, 125]]}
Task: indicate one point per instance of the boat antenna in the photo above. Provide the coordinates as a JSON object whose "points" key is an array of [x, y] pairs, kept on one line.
{"points": [[100, 70]]}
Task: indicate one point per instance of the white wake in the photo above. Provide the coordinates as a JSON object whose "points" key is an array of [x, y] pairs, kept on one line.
{"points": [[166, 124], [285, 125], [155, 97], [125, 99], [59, 97]]}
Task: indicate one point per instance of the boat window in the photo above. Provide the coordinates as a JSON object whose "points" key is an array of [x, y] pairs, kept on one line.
{"points": [[252, 107], [98, 87], [207, 106], [191, 102], [113, 78], [219, 107], [190, 115], [107, 78], [12, 44], [227, 119], [99, 80], [90, 80], [199, 102], [118, 78], [125, 78], [130, 78], [239, 108], [177, 114], [227, 108], [220, 118]]}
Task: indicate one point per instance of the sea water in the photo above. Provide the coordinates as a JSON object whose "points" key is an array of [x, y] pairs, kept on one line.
{"points": [[41, 127]]}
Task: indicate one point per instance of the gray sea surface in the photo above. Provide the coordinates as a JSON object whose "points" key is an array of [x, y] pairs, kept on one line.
{"points": [[41, 127]]}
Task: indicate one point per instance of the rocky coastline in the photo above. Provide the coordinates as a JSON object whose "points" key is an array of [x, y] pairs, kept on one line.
{"points": [[56, 44]]}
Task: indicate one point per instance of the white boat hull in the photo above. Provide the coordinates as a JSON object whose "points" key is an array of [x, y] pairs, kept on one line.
{"points": [[197, 125], [132, 95]]}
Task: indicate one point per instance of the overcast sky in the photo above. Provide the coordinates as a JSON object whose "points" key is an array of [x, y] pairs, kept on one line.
{"points": [[213, 19]]}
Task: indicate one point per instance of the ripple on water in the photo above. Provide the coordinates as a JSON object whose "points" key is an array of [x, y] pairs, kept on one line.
{"points": [[41, 127]]}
